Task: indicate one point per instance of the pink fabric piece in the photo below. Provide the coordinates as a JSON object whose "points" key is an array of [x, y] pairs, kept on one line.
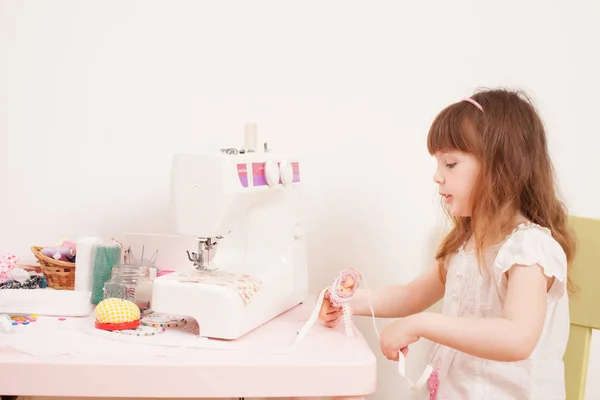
{"points": [[8, 262], [245, 285]]}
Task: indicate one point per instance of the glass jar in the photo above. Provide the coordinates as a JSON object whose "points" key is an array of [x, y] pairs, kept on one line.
{"points": [[133, 283]]}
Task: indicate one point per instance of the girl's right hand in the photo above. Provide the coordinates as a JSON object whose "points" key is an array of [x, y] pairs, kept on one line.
{"points": [[329, 315]]}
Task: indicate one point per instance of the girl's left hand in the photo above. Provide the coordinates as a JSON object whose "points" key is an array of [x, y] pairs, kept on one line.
{"points": [[397, 336]]}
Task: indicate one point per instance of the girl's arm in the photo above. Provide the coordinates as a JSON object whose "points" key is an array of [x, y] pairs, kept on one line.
{"points": [[510, 338], [396, 301]]}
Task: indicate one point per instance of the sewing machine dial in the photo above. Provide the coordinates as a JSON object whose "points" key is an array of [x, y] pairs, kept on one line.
{"points": [[272, 173], [287, 173]]}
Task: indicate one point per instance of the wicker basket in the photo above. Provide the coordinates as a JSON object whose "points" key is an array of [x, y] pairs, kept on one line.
{"points": [[59, 274]]}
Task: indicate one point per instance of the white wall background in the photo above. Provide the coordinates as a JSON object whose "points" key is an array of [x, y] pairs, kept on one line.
{"points": [[96, 97]]}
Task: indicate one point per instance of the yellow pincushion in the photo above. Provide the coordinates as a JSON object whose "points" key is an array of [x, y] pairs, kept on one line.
{"points": [[115, 311]]}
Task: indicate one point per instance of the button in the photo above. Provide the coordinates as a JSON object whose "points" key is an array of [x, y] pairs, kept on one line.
{"points": [[454, 296], [459, 275]]}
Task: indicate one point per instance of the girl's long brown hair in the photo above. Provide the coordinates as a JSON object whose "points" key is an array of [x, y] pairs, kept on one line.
{"points": [[509, 141]]}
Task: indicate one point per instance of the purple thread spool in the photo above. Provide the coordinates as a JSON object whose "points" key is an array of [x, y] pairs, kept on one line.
{"points": [[60, 253]]}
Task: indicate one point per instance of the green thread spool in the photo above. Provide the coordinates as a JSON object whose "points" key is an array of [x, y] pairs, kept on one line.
{"points": [[105, 258]]}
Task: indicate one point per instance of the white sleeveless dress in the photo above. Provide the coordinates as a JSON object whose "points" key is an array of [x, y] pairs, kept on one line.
{"points": [[479, 293]]}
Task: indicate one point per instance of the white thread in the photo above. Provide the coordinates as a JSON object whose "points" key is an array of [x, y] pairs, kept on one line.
{"points": [[401, 358], [347, 310]]}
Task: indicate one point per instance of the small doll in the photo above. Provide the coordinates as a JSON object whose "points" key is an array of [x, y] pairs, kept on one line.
{"points": [[340, 294]]}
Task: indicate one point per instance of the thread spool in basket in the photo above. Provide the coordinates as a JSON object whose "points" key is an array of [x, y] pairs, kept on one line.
{"points": [[60, 275]]}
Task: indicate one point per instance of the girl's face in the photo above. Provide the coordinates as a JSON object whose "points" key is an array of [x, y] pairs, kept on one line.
{"points": [[456, 174]]}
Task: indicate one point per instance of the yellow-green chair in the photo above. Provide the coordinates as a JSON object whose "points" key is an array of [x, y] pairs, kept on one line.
{"points": [[584, 304]]}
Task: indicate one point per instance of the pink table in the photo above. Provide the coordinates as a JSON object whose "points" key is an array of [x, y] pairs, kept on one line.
{"points": [[325, 364]]}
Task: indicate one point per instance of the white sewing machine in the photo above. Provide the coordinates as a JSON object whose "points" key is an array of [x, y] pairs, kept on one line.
{"points": [[245, 211]]}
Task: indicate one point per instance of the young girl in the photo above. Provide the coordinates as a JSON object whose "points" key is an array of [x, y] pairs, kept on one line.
{"points": [[502, 269]]}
